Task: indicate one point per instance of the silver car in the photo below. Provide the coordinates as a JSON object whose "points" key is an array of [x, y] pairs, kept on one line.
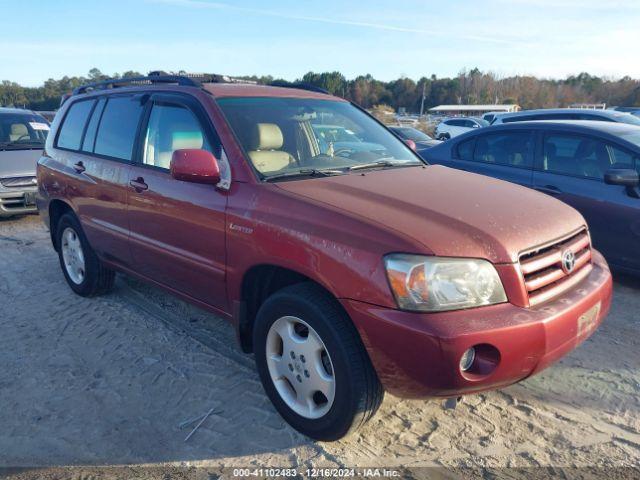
{"points": [[22, 137]]}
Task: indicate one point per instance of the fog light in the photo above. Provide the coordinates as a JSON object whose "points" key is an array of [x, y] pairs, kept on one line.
{"points": [[467, 359]]}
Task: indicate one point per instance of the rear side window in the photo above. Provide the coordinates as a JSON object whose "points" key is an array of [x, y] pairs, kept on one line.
{"points": [[118, 127], [595, 117], [464, 151], [92, 128], [513, 149], [72, 128]]}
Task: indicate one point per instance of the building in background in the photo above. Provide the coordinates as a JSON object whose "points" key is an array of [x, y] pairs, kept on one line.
{"points": [[471, 110]]}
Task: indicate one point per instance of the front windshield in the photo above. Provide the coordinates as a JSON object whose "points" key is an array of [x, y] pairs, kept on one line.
{"points": [[413, 134], [289, 136], [20, 131]]}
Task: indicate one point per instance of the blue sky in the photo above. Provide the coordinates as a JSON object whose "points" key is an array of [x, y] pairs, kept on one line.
{"points": [[40, 39]]}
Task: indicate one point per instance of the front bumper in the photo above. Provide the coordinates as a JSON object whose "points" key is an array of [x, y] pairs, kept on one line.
{"points": [[17, 201], [417, 355]]}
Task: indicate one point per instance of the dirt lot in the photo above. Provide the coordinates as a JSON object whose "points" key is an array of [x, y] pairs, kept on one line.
{"points": [[107, 381]]}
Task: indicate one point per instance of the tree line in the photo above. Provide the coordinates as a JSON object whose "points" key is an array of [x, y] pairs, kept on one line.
{"points": [[468, 87]]}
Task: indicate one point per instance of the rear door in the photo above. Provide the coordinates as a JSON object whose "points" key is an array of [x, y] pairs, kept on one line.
{"points": [[571, 167], [98, 153], [507, 155], [177, 228]]}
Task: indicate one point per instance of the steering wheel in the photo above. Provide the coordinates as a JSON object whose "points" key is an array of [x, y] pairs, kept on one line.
{"points": [[26, 135], [343, 152]]}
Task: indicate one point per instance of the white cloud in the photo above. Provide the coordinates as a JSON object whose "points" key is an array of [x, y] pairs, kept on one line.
{"points": [[200, 4]]}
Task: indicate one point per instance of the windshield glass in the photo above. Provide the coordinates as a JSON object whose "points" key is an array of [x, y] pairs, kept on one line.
{"points": [[22, 131], [283, 136], [413, 134]]}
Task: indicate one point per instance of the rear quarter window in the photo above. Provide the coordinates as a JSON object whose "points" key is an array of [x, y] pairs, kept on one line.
{"points": [[72, 127], [118, 127]]}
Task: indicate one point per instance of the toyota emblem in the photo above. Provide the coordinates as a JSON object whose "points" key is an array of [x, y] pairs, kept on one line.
{"points": [[568, 261]]}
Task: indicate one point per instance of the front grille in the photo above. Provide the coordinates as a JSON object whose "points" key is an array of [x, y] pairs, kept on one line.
{"points": [[543, 272], [18, 203], [16, 182]]}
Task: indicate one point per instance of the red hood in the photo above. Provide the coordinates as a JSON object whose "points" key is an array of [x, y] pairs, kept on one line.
{"points": [[451, 213]]}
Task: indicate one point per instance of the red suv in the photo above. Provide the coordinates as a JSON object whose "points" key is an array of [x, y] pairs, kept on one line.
{"points": [[347, 265]]}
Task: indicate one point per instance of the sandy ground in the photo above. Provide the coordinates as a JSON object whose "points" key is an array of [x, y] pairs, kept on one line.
{"points": [[107, 381]]}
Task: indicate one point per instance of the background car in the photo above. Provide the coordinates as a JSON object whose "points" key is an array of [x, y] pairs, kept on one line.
{"points": [[567, 114], [632, 110], [490, 116], [592, 166], [452, 127], [22, 137], [421, 139]]}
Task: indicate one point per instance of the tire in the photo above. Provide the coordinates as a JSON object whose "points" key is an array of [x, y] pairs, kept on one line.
{"points": [[357, 392], [84, 272]]}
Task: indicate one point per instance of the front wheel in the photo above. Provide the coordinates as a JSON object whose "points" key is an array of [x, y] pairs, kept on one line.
{"points": [[313, 365]]}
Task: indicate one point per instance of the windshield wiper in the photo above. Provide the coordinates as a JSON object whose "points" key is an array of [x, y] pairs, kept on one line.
{"points": [[384, 163], [305, 172]]}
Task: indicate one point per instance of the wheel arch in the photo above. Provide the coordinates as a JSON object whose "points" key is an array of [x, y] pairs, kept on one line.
{"points": [[258, 283], [57, 208]]}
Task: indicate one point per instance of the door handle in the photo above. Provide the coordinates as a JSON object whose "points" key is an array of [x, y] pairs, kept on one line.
{"points": [[549, 189], [79, 167], [139, 185]]}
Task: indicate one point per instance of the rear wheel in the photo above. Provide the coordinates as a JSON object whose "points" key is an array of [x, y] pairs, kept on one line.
{"points": [[312, 363], [83, 270]]}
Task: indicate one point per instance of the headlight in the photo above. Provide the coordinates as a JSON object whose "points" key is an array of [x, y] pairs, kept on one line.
{"points": [[435, 284]]}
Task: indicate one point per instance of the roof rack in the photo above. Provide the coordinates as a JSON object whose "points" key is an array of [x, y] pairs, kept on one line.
{"points": [[186, 80], [148, 80]]}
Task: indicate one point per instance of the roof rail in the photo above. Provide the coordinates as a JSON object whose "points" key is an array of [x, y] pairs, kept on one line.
{"points": [[299, 85], [184, 79], [153, 77]]}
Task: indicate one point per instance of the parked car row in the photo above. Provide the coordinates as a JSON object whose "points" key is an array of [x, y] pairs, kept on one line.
{"points": [[347, 264], [453, 127], [592, 166], [567, 114]]}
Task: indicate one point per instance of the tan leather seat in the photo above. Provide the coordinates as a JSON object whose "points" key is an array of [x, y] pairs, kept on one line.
{"points": [[18, 131], [179, 141], [265, 151]]}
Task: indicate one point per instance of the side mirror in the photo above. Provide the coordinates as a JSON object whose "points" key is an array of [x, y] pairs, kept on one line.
{"points": [[411, 144], [626, 177], [193, 165]]}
